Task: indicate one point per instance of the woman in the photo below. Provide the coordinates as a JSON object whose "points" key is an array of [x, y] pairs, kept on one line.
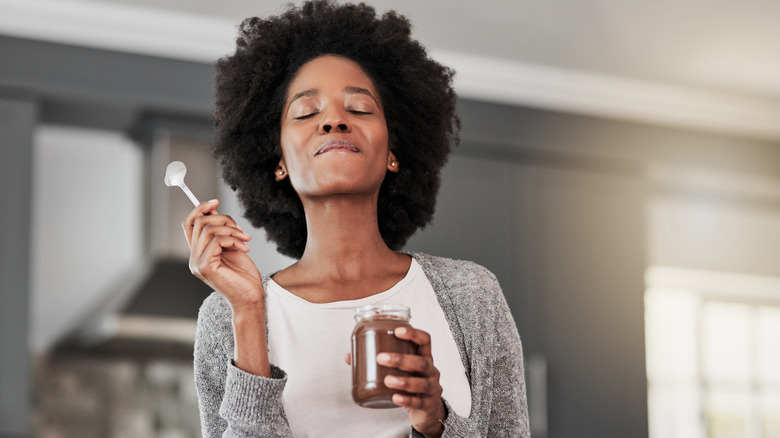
{"points": [[332, 125]]}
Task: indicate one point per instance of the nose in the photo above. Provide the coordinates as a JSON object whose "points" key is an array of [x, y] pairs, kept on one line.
{"points": [[340, 127], [334, 122], [336, 127]]}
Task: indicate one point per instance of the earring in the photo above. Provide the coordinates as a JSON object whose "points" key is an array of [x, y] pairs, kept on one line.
{"points": [[393, 163]]}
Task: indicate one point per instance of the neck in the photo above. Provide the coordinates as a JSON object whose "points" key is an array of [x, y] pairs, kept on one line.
{"points": [[343, 237]]}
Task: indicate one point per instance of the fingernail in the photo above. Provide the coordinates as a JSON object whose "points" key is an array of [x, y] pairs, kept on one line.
{"points": [[211, 201], [383, 357], [392, 380], [401, 330]]}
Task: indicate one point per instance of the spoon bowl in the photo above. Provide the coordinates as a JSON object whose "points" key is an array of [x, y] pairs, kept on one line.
{"points": [[174, 173], [174, 176]]}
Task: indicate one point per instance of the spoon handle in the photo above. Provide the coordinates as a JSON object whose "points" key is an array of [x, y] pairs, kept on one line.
{"points": [[189, 194]]}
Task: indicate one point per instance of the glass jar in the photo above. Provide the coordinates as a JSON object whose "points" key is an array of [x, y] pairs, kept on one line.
{"points": [[374, 334]]}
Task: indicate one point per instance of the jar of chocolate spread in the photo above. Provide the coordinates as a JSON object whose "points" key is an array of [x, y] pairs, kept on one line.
{"points": [[373, 334]]}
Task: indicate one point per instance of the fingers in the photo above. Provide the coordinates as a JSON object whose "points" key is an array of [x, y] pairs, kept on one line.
{"points": [[408, 362], [209, 235], [419, 337], [205, 208], [424, 381], [420, 363], [422, 386], [419, 402], [205, 215], [212, 244], [422, 390]]}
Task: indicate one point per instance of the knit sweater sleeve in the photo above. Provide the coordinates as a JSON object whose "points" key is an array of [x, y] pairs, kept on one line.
{"points": [[233, 403], [509, 413]]}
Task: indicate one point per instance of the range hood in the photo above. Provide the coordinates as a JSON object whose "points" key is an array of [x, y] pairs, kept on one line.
{"points": [[154, 311]]}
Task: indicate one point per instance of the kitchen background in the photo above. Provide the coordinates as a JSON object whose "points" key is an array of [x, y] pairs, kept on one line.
{"points": [[619, 172]]}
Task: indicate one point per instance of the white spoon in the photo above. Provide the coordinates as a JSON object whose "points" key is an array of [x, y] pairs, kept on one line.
{"points": [[174, 176]]}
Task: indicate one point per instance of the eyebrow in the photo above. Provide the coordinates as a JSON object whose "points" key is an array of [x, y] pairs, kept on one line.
{"points": [[347, 90], [360, 90], [306, 93]]}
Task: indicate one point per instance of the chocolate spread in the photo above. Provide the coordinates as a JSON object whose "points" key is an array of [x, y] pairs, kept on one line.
{"points": [[373, 334]]}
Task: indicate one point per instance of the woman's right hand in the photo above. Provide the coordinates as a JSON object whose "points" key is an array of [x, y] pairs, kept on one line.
{"points": [[218, 255]]}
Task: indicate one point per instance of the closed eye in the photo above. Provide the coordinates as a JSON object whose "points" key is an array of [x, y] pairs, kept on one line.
{"points": [[307, 116], [361, 113]]}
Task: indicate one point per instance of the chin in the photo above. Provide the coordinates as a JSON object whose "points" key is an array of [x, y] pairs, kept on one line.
{"points": [[344, 185]]}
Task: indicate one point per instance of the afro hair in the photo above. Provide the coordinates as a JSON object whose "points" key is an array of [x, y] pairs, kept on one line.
{"points": [[251, 85]]}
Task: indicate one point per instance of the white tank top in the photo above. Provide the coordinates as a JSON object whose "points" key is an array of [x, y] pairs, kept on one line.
{"points": [[309, 341]]}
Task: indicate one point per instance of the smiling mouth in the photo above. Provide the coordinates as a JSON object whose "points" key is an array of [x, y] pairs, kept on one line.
{"points": [[333, 145]]}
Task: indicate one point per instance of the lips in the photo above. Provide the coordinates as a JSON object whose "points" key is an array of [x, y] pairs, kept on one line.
{"points": [[335, 145]]}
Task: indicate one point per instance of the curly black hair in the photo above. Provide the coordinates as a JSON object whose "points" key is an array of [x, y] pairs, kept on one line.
{"points": [[251, 86]]}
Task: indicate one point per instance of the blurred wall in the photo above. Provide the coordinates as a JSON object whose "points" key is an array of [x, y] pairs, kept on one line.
{"points": [[569, 211], [87, 224], [565, 236], [17, 119]]}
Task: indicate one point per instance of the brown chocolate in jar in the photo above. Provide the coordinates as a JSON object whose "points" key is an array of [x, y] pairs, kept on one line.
{"points": [[373, 334]]}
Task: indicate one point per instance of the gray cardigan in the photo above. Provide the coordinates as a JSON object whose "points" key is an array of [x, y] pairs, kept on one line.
{"points": [[237, 404]]}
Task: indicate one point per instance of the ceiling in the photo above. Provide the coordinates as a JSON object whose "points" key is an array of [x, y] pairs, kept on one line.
{"points": [[709, 43], [671, 54]]}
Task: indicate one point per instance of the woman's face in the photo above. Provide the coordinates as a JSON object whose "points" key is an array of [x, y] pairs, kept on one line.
{"points": [[333, 132]]}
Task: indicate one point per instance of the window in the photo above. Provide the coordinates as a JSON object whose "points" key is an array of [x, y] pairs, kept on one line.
{"points": [[713, 354]]}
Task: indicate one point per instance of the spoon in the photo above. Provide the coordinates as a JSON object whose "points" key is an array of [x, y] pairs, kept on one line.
{"points": [[174, 176]]}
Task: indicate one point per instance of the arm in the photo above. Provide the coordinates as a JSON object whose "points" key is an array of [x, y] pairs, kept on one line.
{"points": [[210, 368], [233, 403], [509, 413], [218, 256], [239, 391]]}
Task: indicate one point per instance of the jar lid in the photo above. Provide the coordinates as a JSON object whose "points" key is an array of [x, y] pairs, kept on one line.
{"points": [[392, 310]]}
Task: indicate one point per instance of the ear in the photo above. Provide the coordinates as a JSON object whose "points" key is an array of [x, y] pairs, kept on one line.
{"points": [[392, 162], [281, 171]]}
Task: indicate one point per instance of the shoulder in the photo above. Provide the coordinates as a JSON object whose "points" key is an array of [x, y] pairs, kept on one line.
{"points": [[471, 299], [454, 271], [461, 280]]}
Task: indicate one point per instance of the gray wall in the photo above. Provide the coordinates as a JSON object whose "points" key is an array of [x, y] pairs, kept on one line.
{"points": [[17, 118], [565, 237]]}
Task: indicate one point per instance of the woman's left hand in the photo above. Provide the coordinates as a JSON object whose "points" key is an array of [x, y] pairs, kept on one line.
{"points": [[425, 408]]}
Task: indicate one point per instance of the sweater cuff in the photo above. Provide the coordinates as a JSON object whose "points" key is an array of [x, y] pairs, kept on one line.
{"points": [[454, 425], [447, 412], [249, 398]]}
